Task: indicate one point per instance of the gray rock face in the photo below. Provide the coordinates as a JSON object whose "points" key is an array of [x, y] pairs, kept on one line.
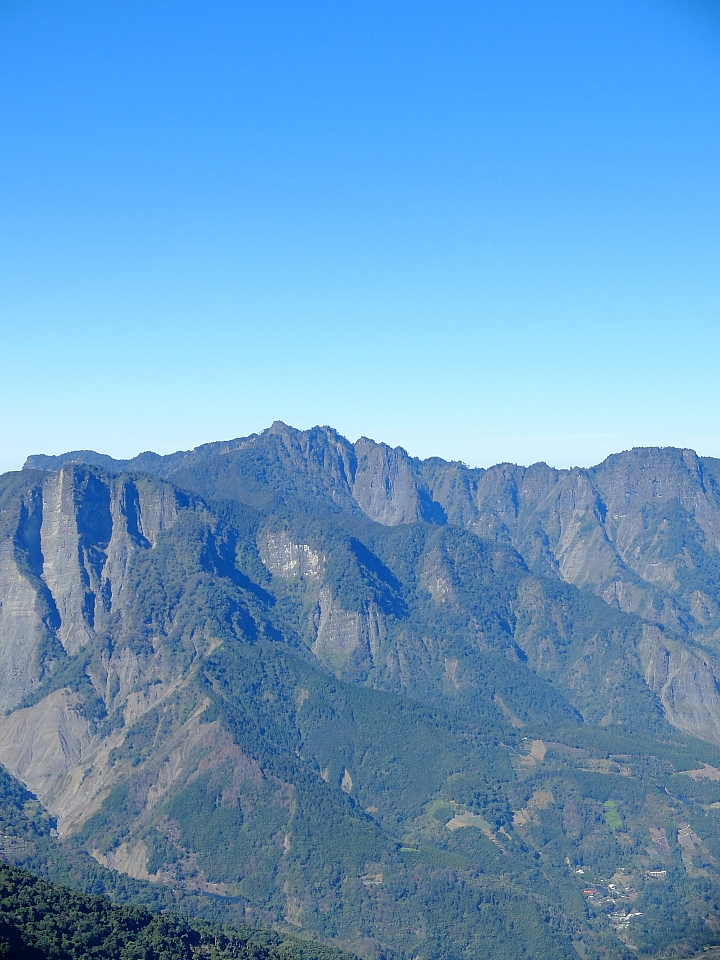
{"points": [[346, 641], [686, 682], [436, 578], [41, 744], [63, 564], [345, 635], [642, 529], [74, 552], [389, 488], [70, 539], [21, 630], [289, 560]]}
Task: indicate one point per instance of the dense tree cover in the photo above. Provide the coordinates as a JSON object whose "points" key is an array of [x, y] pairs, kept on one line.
{"points": [[43, 920]]}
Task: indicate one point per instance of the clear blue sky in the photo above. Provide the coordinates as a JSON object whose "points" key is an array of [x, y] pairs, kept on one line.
{"points": [[486, 230]]}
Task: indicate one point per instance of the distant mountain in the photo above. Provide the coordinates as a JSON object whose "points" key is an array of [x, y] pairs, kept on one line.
{"points": [[399, 703]]}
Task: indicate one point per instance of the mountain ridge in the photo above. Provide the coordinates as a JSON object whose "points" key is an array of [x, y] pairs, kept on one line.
{"points": [[276, 669], [540, 510]]}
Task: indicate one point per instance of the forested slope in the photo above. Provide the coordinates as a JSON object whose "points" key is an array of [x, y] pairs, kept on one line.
{"points": [[44, 921]]}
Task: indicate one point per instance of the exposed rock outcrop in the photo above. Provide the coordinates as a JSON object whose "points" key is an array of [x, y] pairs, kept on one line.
{"points": [[40, 744], [641, 531], [388, 486], [289, 560], [346, 637], [685, 680], [63, 564], [21, 630]]}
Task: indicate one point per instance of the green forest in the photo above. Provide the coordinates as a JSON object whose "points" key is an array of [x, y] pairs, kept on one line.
{"points": [[44, 921]]}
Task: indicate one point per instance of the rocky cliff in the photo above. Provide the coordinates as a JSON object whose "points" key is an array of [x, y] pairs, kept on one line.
{"points": [[69, 537]]}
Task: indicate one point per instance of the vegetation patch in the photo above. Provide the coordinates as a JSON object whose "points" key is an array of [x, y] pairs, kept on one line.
{"points": [[612, 817]]}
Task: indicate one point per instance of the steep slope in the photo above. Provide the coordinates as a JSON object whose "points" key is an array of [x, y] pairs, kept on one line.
{"points": [[67, 540]]}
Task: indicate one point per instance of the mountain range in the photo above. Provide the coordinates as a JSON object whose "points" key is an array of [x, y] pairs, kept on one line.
{"points": [[408, 706]]}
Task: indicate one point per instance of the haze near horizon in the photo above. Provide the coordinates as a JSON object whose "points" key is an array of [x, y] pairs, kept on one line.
{"points": [[487, 232]]}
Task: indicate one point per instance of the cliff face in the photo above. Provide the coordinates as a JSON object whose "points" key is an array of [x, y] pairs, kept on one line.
{"points": [[22, 629], [69, 538]]}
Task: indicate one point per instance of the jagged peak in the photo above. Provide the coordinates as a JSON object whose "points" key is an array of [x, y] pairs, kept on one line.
{"points": [[149, 460], [363, 442], [50, 463]]}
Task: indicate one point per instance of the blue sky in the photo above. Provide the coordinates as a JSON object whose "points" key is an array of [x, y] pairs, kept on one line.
{"points": [[487, 231]]}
